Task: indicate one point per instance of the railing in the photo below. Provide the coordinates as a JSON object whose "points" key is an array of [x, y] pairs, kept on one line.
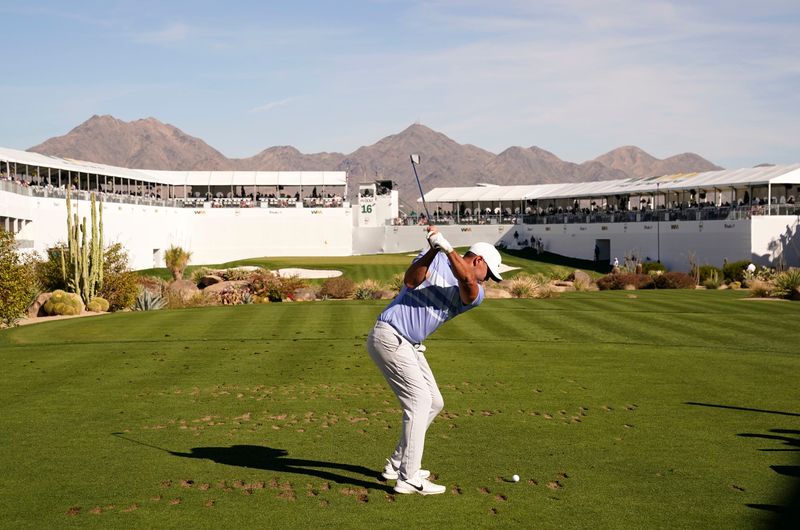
{"points": [[721, 213], [189, 202]]}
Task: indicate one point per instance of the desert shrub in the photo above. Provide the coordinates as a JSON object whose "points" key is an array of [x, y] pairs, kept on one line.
{"points": [[147, 301], [176, 300], [18, 283], [765, 274], [63, 303], [235, 296], [367, 290], [708, 270], [523, 285], [339, 288], [620, 280], [98, 305], [176, 260], [154, 284], [269, 287], [48, 270], [199, 272], [232, 275], [735, 285], [120, 284], [397, 281], [735, 271], [760, 289], [713, 278], [649, 267], [787, 283], [674, 280]]}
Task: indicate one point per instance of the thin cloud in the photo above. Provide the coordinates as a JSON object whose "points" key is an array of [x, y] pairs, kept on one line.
{"points": [[273, 104], [173, 33]]}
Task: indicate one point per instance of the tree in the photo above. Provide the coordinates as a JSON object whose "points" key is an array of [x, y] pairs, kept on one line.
{"points": [[120, 283], [17, 281], [177, 259]]}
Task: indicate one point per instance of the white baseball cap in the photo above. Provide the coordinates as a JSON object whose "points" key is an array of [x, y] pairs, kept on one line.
{"points": [[491, 256]]}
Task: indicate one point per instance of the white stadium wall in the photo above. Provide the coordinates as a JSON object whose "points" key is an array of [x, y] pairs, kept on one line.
{"points": [[217, 235], [393, 239], [709, 241], [212, 235]]}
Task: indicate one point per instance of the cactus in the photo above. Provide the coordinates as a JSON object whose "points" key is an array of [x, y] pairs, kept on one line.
{"points": [[84, 276], [148, 301], [63, 303], [98, 305]]}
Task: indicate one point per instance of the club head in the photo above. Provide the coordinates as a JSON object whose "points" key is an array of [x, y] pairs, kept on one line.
{"points": [[415, 159]]}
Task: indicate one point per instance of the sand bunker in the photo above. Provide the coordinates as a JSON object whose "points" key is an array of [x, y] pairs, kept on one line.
{"points": [[309, 274]]}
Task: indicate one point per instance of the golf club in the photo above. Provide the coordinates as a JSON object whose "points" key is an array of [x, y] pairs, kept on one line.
{"points": [[414, 162]]}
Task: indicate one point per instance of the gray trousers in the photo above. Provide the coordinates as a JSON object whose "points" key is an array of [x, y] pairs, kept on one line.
{"points": [[408, 374]]}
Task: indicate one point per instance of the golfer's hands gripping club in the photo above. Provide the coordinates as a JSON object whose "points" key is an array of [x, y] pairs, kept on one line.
{"points": [[437, 240]]}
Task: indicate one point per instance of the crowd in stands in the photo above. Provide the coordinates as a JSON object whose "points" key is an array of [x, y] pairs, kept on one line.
{"points": [[42, 187], [610, 213]]}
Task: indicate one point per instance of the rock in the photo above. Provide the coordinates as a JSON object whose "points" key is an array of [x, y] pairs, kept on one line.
{"points": [[562, 287], [581, 277], [209, 279], [222, 285], [185, 289], [305, 294], [385, 294], [37, 307], [493, 292]]}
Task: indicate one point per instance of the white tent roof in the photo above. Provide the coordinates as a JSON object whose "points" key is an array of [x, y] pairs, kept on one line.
{"points": [[179, 178], [706, 181]]}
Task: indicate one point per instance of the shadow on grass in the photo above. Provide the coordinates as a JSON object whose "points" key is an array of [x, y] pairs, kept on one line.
{"points": [[786, 514], [271, 459]]}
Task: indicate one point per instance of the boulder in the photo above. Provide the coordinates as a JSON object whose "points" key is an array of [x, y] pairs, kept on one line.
{"points": [[222, 285], [559, 286], [185, 289], [305, 294], [580, 277], [209, 279], [37, 307]]}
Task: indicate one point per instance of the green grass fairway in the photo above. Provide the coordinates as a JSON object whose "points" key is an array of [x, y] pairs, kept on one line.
{"points": [[653, 409], [382, 267]]}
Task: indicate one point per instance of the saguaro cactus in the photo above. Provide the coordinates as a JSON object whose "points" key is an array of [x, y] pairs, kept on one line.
{"points": [[84, 276]]}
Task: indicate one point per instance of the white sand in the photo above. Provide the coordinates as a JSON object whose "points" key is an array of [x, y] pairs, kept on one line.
{"points": [[309, 274]]}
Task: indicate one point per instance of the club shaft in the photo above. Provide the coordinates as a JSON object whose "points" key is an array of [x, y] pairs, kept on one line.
{"points": [[421, 193]]}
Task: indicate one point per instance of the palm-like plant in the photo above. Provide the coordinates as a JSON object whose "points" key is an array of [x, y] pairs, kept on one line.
{"points": [[177, 259]]}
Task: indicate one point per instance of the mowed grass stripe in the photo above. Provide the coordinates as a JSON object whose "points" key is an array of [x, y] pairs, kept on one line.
{"points": [[636, 456]]}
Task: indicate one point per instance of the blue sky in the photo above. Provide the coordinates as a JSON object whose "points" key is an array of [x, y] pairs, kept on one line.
{"points": [[575, 77]]}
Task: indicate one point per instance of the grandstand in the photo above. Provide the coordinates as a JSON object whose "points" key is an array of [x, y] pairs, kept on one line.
{"points": [[226, 215]]}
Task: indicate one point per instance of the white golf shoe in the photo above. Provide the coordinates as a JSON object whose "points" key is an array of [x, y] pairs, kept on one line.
{"points": [[393, 473], [423, 487]]}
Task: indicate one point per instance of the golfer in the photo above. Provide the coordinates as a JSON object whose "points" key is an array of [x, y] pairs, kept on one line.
{"points": [[438, 286]]}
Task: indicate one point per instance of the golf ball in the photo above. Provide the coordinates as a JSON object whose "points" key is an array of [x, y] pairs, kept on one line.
{"points": [[515, 478]]}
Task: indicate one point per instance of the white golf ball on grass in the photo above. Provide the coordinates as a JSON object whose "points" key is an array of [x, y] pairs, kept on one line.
{"points": [[515, 478]]}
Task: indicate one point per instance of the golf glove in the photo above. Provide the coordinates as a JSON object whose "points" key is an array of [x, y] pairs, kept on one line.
{"points": [[438, 241]]}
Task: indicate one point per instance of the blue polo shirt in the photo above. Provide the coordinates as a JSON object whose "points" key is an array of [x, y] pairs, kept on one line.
{"points": [[416, 313]]}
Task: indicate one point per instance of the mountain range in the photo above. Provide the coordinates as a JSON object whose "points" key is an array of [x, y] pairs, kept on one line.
{"points": [[151, 144]]}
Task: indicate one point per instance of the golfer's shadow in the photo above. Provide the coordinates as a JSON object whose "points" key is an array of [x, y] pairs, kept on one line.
{"points": [[270, 459]]}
